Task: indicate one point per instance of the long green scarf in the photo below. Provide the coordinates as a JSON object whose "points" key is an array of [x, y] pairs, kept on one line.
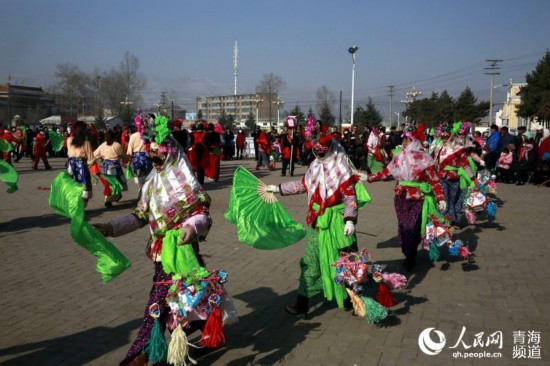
{"points": [[66, 200], [429, 207]]}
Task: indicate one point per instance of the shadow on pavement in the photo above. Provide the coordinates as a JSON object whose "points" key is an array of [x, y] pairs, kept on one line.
{"points": [[268, 330], [74, 349], [42, 221]]}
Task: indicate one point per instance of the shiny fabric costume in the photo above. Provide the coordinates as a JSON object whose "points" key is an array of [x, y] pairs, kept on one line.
{"points": [[171, 199], [416, 179], [454, 173], [332, 200]]}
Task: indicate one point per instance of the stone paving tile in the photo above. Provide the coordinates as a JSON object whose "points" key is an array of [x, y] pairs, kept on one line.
{"points": [[56, 311]]}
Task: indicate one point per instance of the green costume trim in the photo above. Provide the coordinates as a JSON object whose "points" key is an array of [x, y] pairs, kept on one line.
{"points": [[116, 187], [310, 271], [465, 181], [180, 259], [473, 165], [429, 206], [330, 226]]}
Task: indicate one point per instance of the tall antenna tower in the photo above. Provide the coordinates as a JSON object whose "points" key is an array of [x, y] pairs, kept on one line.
{"points": [[235, 66]]}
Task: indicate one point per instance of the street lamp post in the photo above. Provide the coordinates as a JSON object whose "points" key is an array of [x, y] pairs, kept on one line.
{"points": [[413, 94], [411, 97], [278, 102], [398, 118], [257, 100], [352, 50]]}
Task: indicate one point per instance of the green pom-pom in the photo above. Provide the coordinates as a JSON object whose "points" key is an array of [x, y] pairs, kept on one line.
{"points": [[397, 150], [374, 311], [456, 127], [161, 128], [157, 348], [434, 252]]}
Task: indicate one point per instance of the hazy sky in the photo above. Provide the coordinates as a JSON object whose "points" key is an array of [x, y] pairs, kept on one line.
{"points": [[186, 47]]}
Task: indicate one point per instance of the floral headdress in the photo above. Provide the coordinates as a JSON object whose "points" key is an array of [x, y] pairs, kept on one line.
{"points": [[443, 130], [146, 131], [408, 131], [320, 139]]}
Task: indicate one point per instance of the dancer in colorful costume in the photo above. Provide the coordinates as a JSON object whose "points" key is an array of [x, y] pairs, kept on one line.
{"points": [[376, 155], [330, 183], [416, 192], [7, 140], [453, 170], [113, 157], [176, 207], [137, 151], [80, 157]]}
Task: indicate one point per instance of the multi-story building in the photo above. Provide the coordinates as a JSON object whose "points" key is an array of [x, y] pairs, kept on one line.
{"points": [[29, 103], [258, 105], [508, 115]]}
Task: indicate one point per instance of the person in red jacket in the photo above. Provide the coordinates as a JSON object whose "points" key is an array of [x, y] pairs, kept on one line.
{"points": [[264, 149], [240, 141], [40, 145], [213, 143], [290, 149], [197, 152]]}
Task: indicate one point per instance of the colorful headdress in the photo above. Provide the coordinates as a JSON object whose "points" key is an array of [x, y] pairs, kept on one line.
{"points": [[460, 128], [443, 130], [143, 127], [409, 131], [320, 139]]}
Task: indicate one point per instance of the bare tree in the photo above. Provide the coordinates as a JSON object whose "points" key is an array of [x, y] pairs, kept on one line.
{"points": [[271, 85], [79, 93], [72, 91], [122, 86]]}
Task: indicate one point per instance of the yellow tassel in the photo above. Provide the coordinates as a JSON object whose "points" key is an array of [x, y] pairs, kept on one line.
{"points": [[178, 350], [358, 303]]}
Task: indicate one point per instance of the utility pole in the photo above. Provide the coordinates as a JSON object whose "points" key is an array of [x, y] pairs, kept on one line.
{"points": [[172, 110], [340, 116], [390, 94], [492, 71]]}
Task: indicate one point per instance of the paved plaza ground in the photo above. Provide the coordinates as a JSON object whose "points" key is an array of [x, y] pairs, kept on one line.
{"points": [[56, 311]]}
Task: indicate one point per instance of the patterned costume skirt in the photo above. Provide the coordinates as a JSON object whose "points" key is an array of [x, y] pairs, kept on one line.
{"points": [[454, 197], [409, 221], [80, 172], [141, 164], [113, 167]]}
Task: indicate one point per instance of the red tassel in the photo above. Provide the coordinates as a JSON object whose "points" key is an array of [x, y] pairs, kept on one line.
{"points": [[384, 296], [212, 334]]}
